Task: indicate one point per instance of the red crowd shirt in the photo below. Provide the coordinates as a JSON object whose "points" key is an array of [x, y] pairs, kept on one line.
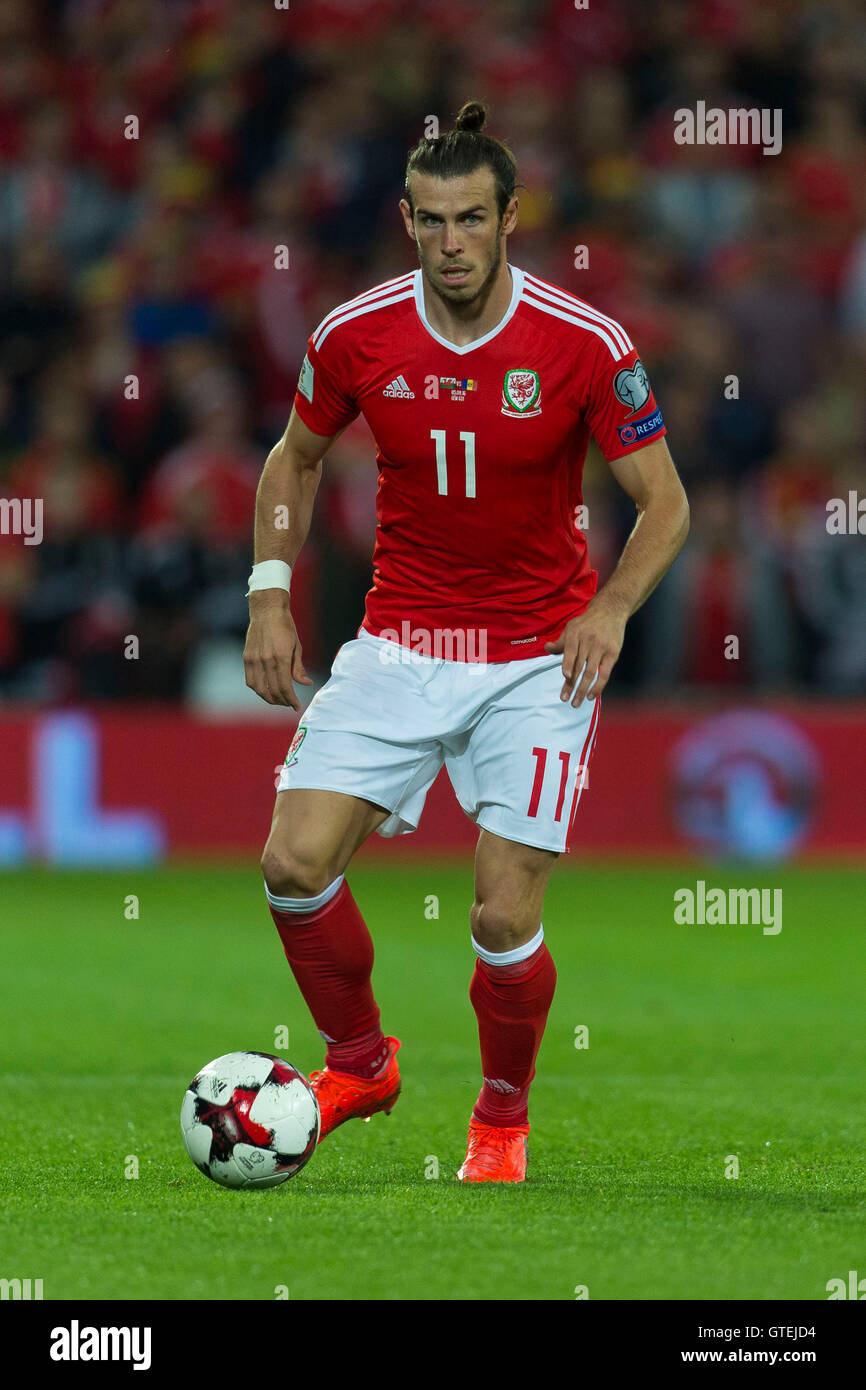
{"points": [[480, 456]]}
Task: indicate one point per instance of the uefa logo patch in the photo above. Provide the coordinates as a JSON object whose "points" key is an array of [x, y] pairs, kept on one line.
{"points": [[631, 387]]}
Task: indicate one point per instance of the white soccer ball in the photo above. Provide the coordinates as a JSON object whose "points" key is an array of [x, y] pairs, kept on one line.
{"points": [[250, 1120]]}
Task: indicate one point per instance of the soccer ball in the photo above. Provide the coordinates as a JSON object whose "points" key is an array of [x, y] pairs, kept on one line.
{"points": [[250, 1120]]}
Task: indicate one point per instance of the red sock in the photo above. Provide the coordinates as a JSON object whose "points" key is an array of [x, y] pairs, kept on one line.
{"points": [[511, 1003], [330, 951]]}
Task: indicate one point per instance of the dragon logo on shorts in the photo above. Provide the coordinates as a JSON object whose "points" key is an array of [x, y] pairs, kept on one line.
{"points": [[521, 393], [295, 745]]}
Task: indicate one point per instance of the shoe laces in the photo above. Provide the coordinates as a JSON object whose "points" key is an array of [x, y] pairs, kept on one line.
{"points": [[328, 1088], [492, 1144]]}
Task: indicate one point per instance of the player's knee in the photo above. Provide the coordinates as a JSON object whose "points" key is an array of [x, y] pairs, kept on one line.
{"points": [[292, 872], [498, 926]]}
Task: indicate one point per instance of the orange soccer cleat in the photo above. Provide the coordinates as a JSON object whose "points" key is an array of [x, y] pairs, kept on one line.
{"points": [[342, 1096], [495, 1154]]}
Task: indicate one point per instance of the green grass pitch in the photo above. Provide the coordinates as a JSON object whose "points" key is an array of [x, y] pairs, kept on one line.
{"points": [[705, 1042]]}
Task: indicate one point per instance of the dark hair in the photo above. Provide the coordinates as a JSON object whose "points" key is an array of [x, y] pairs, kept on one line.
{"points": [[463, 150]]}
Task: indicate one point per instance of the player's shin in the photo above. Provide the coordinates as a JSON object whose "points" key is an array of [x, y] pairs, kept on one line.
{"points": [[511, 994], [330, 951]]}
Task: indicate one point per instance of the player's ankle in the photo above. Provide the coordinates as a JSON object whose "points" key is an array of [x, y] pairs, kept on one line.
{"points": [[365, 1057]]}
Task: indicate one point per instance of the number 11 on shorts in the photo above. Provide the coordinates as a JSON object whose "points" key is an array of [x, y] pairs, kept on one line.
{"points": [[540, 755]]}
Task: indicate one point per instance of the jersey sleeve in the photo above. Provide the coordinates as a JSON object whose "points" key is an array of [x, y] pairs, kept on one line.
{"points": [[619, 406], [324, 397]]}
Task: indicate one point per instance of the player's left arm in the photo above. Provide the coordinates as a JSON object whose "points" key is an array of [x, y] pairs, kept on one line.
{"points": [[591, 643]]}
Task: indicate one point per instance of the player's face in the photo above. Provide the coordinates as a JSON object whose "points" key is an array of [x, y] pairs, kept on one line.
{"points": [[458, 232]]}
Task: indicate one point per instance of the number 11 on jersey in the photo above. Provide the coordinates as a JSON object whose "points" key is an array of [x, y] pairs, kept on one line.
{"points": [[468, 439]]}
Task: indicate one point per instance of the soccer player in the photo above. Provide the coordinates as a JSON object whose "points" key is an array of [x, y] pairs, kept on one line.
{"points": [[484, 643]]}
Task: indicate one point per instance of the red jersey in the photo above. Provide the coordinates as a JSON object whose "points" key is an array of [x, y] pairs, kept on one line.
{"points": [[480, 455]]}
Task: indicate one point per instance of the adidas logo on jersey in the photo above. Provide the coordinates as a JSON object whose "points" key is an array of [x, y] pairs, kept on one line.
{"points": [[399, 387]]}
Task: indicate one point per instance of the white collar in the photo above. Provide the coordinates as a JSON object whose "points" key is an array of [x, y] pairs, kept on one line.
{"points": [[516, 292]]}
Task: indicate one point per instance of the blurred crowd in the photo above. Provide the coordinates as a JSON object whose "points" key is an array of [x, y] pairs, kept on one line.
{"points": [[149, 345]]}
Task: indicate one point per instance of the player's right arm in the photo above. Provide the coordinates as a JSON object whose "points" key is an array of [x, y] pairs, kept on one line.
{"points": [[290, 480]]}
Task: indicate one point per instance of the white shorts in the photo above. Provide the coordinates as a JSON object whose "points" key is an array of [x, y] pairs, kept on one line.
{"points": [[383, 725]]}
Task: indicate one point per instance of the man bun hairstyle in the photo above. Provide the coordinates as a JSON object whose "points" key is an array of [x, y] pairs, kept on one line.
{"points": [[463, 150], [471, 116]]}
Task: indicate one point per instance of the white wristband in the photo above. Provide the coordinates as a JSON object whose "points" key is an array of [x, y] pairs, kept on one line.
{"points": [[270, 574]]}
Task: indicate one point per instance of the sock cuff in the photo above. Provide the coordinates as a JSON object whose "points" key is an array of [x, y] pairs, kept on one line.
{"points": [[519, 953], [304, 905]]}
